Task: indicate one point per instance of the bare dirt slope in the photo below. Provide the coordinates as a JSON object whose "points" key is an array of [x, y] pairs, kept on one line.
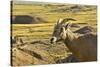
{"points": [[38, 53]]}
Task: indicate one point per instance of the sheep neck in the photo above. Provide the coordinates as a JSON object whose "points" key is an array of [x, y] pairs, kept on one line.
{"points": [[70, 36], [70, 40]]}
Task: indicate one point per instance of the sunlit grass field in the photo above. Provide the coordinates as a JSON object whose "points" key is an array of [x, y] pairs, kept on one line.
{"points": [[44, 11]]}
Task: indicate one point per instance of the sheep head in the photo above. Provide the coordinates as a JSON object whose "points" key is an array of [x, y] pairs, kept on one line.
{"points": [[60, 28]]}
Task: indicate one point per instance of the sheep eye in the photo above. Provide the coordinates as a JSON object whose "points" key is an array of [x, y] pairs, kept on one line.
{"points": [[62, 29]]}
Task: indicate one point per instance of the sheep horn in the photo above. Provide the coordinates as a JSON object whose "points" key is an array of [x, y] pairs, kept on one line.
{"points": [[59, 21], [67, 19]]}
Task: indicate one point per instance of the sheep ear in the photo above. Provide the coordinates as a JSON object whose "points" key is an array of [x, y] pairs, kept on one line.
{"points": [[68, 25]]}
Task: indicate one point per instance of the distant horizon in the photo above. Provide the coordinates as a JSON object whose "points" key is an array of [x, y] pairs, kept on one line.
{"points": [[41, 2]]}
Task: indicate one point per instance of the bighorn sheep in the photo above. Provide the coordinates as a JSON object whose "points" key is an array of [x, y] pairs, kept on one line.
{"points": [[84, 46]]}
